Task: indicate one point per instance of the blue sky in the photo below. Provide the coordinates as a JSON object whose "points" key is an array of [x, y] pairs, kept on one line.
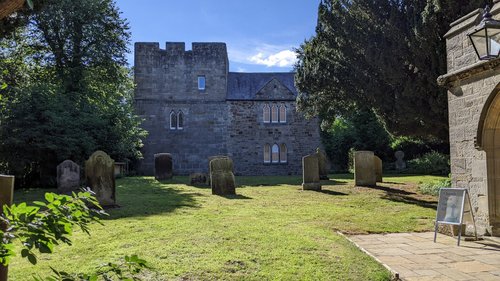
{"points": [[260, 35]]}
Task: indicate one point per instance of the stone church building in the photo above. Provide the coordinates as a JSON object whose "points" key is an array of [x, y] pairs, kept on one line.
{"points": [[474, 118], [194, 108]]}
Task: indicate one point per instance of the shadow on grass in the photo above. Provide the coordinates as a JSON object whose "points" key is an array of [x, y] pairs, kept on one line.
{"points": [[236, 196], [142, 197], [333, 182], [403, 196], [331, 192]]}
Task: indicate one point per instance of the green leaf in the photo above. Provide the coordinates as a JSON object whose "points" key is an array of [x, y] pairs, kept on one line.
{"points": [[30, 3], [32, 258], [49, 196]]}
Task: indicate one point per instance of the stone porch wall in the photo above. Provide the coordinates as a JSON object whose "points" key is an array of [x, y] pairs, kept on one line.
{"points": [[470, 83]]}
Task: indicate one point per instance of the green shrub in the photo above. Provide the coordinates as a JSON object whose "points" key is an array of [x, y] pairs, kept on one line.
{"points": [[434, 163], [414, 147], [432, 188]]}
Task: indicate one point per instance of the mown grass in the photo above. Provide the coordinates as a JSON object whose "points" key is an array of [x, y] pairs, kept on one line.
{"points": [[270, 230]]}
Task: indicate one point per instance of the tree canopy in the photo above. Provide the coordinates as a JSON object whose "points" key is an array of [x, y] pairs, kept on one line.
{"points": [[68, 89], [380, 54]]}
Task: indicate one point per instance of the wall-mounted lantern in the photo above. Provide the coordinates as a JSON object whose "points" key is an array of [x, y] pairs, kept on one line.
{"points": [[486, 37]]}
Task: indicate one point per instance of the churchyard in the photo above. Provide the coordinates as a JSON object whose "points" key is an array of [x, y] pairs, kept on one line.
{"points": [[271, 229]]}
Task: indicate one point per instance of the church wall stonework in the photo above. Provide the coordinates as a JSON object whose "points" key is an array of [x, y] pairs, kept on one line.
{"points": [[470, 84], [223, 119], [248, 134]]}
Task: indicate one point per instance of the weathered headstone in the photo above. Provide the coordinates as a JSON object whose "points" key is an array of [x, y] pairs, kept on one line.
{"points": [[222, 179], [6, 197], [310, 173], [120, 169], [198, 178], [400, 163], [100, 177], [364, 168], [378, 168], [68, 177], [212, 158], [163, 166], [323, 164]]}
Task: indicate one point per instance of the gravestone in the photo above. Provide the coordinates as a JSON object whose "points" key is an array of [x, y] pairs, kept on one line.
{"points": [[400, 163], [364, 168], [198, 178], [163, 166], [323, 164], [212, 158], [378, 168], [68, 177], [222, 179], [310, 173], [100, 177]]}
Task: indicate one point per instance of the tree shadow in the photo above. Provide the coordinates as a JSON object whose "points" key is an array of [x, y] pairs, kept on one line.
{"points": [[142, 197]]}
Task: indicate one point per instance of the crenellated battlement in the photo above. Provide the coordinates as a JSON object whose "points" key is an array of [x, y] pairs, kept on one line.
{"points": [[210, 49]]}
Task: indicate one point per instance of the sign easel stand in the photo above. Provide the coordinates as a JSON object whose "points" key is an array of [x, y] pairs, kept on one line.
{"points": [[450, 210]]}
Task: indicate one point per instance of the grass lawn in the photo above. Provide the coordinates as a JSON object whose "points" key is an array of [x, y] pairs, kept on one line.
{"points": [[270, 230]]}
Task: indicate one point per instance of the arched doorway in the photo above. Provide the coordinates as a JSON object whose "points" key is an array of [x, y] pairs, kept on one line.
{"points": [[489, 141]]}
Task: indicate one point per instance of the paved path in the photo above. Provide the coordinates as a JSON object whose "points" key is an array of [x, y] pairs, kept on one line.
{"points": [[414, 256]]}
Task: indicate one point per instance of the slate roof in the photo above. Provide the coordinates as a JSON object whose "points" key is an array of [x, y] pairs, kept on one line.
{"points": [[244, 86]]}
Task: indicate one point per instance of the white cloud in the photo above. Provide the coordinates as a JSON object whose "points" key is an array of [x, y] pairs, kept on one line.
{"points": [[258, 53], [285, 58]]}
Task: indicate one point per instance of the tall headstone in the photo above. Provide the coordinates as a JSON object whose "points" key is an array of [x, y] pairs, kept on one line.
{"points": [[378, 168], [212, 158], [6, 197], [100, 177], [222, 179], [163, 166], [310, 173], [323, 164], [68, 177], [400, 162], [364, 168]]}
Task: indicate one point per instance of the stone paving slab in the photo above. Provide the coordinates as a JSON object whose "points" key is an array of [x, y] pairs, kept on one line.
{"points": [[415, 257]]}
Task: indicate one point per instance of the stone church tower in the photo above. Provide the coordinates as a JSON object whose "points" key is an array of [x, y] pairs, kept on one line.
{"points": [[194, 108]]}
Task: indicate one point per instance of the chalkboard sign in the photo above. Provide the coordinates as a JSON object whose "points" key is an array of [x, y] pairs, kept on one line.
{"points": [[450, 210]]}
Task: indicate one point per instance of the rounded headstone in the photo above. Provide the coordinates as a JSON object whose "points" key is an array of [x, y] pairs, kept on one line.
{"points": [[163, 166]]}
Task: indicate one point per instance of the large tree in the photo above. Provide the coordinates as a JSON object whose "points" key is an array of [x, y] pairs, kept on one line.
{"points": [[69, 91], [380, 54]]}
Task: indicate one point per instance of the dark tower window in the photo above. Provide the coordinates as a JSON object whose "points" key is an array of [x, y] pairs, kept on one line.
{"points": [[201, 83], [283, 153], [173, 120], [180, 120]]}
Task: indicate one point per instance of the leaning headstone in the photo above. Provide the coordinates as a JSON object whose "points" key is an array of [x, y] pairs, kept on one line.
{"points": [[323, 164], [310, 173], [100, 177], [400, 163], [222, 179], [378, 168], [364, 168], [6, 197], [198, 178], [68, 177], [163, 166]]}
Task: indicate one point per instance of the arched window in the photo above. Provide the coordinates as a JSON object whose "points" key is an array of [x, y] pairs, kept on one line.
{"points": [[180, 120], [267, 153], [275, 153], [173, 120], [282, 113], [283, 153], [274, 114], [266, 113]]}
